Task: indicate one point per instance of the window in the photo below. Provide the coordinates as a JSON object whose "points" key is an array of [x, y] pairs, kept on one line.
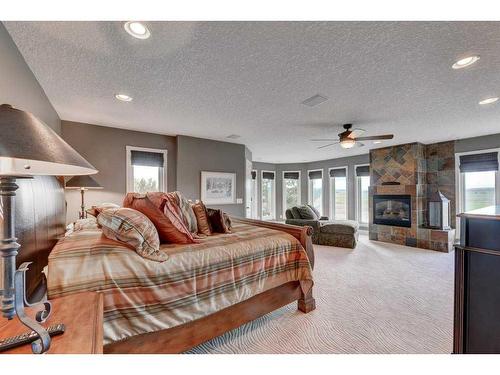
{"points": [[146, 169], [254, 206], [362, 185], [315, 189], [268, 195], [291, 190], [338, 193], [479, 180]]}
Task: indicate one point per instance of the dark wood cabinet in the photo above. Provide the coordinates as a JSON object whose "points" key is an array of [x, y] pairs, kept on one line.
{"points": [[477, 283]]}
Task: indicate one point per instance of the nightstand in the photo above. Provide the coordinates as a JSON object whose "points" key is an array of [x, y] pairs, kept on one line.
{"points": [[81, 313]]}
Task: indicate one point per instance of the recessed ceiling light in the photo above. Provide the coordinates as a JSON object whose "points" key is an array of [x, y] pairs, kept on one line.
{"points": [[465, 62], [137, 29], [488, 100], [376, 142], [123, 97], [233, 136]]}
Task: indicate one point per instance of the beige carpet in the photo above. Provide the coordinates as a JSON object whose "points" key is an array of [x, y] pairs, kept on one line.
{"points": [[378, 298]]}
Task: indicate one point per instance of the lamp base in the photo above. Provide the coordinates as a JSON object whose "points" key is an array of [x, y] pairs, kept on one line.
{"points": [[14, 292]]}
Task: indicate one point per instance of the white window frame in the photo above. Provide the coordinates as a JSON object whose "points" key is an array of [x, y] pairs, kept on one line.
{"points": [[273, 205], [357, 190], [460, 184], [130, 170], [254, 210], [309, 189], [331, 186], [283, 189]]}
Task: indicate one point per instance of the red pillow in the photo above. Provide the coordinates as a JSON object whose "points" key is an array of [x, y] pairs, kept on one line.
{"points": [[171, 229]]}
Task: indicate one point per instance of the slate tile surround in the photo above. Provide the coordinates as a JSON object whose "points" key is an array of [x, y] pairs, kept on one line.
{"points": [[420, 170]]}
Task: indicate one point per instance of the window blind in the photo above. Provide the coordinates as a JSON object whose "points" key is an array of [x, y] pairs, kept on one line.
{"points": [[146, 159], [363, 170], [338, 172], [268, 175], [291, 175], [254, 175], [315, 175], [479, 162]]}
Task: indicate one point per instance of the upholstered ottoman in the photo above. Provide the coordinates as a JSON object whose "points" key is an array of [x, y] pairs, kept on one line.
{"points": [[341, 233]]}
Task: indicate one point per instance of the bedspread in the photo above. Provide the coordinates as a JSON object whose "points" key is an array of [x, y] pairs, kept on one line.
{"points": [[197, 280]]}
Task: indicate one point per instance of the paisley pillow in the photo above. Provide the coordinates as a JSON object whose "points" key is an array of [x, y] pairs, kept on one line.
{"points": [[132, 228]]}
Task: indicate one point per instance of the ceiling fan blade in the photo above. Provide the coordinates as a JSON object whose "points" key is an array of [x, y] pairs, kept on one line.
{"points": [[324, 140], [328, 145], [357, 132], [375, 137]]}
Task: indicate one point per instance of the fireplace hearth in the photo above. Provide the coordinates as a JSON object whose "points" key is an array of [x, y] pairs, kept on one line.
{"points": [[394, 210]]}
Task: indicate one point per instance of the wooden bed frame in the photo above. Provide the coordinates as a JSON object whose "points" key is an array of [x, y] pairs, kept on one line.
{"points": [[40, 221], [186, 336]]}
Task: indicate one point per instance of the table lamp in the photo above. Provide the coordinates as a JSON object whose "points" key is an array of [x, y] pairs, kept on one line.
{"points": [[28, 148], [83, 183]]}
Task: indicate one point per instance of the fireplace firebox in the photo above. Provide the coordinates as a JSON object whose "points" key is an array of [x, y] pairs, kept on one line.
{"points": [[392, 210]]}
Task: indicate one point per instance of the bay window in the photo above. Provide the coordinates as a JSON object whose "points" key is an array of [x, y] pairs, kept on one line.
{"points": [[478, 180], [362, 198], [315, 189], [268, 194], [291, 190], [338, 193]]}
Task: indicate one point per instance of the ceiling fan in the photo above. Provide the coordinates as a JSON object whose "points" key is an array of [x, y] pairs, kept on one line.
{"points": [[350, 138]]}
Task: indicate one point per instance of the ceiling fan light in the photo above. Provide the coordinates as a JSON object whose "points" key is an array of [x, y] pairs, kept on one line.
{"points": [[347, 143]]}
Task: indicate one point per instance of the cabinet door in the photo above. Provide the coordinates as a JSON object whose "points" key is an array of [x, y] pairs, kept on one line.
{"points": [[482, 303]]}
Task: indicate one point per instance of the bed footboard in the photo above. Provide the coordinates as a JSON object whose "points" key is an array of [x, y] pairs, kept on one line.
{"points": [[302, 233]]}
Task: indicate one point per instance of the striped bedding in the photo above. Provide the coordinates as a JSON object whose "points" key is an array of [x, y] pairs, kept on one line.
{"points": [[197, 280]]}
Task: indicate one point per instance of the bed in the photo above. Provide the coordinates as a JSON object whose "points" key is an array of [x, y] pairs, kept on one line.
{"points": [[200, 292]]}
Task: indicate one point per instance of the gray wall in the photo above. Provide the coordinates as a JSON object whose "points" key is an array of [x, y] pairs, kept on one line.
{"points": [[104, 147], [350, 162], [477, 143], [196, 154], [18, 85]]}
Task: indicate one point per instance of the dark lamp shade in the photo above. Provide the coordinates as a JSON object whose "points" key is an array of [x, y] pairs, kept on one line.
{"points": [[28, 147], [85, 182]]}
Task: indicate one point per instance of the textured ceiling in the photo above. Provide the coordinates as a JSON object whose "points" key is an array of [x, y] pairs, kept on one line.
{"points": [[213, 79]]}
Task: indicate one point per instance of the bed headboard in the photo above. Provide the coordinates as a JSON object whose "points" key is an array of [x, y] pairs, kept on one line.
{"points": [[40, 220]]}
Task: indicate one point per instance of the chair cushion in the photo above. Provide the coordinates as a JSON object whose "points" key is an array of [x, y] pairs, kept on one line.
{"points": [[316, 212], [340, 227], [307, 213]]}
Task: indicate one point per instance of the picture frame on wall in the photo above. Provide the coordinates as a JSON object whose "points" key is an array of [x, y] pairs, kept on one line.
{"points": [[218, 187]]}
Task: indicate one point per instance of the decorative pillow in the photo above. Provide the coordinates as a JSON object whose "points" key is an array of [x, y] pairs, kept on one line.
{"points": [[315, 210], [200, 212], [84, 224], [295, 213], [306, 213], [96, 210], [132, 228], [228, 222], [170, 227], [217, 221], [187, 212]]}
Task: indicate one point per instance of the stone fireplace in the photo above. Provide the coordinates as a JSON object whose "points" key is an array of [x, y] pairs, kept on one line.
{"points": [[401, 179]]}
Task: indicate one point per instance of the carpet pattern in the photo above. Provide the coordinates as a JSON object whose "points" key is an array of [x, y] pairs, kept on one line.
{"points": [[377, 298]]}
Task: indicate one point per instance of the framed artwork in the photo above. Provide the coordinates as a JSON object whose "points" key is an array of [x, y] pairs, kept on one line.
{"points": [[218, 187]]}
